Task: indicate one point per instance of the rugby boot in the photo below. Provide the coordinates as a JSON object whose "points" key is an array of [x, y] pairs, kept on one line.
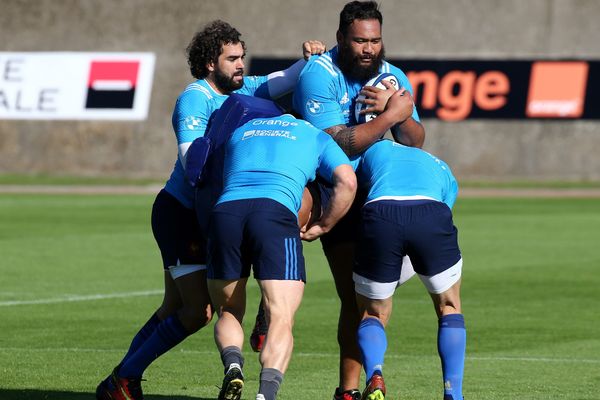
{"points": [[115, 387], [375, 389], [352, 394], [233, 383]]}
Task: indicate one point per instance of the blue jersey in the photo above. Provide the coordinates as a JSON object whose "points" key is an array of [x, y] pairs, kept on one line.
{"points": [[275, 157], [325, 97], [391, 171], [192, 112]]}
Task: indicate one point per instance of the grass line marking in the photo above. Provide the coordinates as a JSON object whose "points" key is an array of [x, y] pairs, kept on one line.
{"points": [[76, 298], [309, 354]]}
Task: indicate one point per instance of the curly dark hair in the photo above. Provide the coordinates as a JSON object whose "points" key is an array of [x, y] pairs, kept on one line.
{"points": [[207, 45], [360, 10]]}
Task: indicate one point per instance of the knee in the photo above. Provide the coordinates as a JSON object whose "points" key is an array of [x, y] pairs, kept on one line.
{"points": [[195, 319]]}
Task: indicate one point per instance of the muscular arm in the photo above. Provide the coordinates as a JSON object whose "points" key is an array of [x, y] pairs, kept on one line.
{"points": [[355, 139], [409, 133], [344, 190]]}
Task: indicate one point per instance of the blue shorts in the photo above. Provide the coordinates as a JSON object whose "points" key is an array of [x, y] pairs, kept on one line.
{"points": [[261, 233], [176, 231], [421, 229]]}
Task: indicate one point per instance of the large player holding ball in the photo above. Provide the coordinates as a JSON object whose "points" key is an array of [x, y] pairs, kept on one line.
{"points": [[324, 96]]}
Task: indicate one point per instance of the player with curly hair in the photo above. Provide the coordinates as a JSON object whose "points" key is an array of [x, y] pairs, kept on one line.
{"points": [[216, 59]]}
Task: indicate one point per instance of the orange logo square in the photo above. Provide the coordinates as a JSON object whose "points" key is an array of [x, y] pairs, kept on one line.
{"points": [[557, 89]]}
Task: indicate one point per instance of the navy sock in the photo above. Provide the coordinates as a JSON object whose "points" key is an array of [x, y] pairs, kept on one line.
{"points": [[270, 380], [232, 355], [167, 335], [142, 335], [452, 342], [372, 342]]}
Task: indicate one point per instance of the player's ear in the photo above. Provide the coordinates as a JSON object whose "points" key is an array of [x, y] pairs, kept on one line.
{"points": [[210, 66]]}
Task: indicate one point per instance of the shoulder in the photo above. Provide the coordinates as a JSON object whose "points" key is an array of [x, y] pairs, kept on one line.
{"points": [[195, 92], [322, 66]]}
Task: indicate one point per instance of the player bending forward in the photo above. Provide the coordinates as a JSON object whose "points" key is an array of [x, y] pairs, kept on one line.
{"points": [[409, 204], [254, 225]]}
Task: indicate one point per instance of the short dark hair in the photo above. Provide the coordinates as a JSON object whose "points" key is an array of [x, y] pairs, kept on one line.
{"points": [[207, 45], [358, 10]]}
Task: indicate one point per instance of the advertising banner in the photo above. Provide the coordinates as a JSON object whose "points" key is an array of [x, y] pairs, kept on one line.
{"points": [[456, 90], [75, 85]]}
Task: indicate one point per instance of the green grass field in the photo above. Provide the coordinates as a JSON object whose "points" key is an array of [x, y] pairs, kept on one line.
{"points": [[79, 274]]}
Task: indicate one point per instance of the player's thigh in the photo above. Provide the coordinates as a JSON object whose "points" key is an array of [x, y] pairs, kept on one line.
{"points": [[193, 290], [177, 234], [226, 242], [380, 254], [433, 247], [273, 240]]}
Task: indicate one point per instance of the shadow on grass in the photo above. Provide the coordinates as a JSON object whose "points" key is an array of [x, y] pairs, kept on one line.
{"points": [[32, 394]]}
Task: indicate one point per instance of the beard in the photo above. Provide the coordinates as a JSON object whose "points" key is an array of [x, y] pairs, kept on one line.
{"points": [[350, 64], [226, 83]]}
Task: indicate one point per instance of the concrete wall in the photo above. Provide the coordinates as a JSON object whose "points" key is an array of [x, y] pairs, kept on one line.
{"points": [[483, 29]]}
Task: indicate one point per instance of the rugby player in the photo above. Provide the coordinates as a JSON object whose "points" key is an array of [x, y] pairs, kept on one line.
{"points": [[325, 97], [268, 162], [216, 59], [409, 201]]}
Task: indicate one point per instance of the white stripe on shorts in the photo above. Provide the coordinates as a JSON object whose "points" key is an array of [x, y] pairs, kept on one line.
{"points": [[443, 281], [177, 271], [382, 290]]}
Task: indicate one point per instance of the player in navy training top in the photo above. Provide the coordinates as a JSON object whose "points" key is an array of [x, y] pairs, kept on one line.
{"points": [[268, 162], [409, 201], [216, 59], [325, 96]]}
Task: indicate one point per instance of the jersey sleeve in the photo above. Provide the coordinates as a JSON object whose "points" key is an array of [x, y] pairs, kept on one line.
{"points": [[256, 86], [190, 116], [315, 101], [331, 157]]}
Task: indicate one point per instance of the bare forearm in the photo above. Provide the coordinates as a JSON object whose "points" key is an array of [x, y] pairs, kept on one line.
{"points": [[356, 139], [409, 133]]}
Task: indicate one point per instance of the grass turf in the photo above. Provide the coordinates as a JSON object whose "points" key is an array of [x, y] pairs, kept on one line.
{"points": [[80, 274]]}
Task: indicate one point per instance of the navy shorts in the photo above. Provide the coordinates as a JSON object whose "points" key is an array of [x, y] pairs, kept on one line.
{"points": [[176, 231], [421, 229], [261, 233]]}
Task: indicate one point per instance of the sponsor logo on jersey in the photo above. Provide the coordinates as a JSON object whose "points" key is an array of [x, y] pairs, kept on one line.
{"points": [[314, 107], [192, 123], [268, 133]]}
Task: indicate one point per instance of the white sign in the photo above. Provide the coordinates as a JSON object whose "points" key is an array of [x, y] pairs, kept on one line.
{"points": [[75, 85]]}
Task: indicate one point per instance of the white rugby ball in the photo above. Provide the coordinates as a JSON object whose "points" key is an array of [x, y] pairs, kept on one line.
{"points": [[376, 81]]}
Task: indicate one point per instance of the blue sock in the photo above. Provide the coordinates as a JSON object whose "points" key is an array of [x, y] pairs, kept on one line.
{"points": [[372, 342], [452, 342], [142, 335], [167, 335]]}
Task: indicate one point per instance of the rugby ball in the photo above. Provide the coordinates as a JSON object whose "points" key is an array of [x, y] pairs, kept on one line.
{"points": [[310, 208], [376, 82]]}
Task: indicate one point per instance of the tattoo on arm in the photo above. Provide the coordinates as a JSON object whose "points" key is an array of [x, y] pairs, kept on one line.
{"points": [[345, 137]]}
